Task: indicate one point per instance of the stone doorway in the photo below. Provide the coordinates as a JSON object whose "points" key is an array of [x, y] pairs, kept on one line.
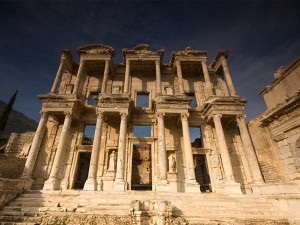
{"points": [[201, 172], [141, 178], [82, 169]]}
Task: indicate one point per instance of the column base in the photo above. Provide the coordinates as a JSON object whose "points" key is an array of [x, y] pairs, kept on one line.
{"points": [[192, 186], [233, 187], [119, 186], [90, 185], [52, 184], [163, 186]]}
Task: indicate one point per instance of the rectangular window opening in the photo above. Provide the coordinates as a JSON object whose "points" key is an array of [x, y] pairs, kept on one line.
{"points": [[88, 134], [196, 137], [142, 99], [142, 131], [93, 98]]}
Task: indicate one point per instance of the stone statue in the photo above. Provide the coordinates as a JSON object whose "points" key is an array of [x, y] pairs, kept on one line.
{"points": [[112, 161], [172, 164]]}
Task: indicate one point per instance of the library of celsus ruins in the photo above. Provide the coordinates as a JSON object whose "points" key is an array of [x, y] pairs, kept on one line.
{"points": [[169, 142]]}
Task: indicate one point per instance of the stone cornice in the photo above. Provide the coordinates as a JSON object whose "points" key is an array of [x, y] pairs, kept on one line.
{"points": [[141, 51], [216, 61], [187, 53], [96, 49]]}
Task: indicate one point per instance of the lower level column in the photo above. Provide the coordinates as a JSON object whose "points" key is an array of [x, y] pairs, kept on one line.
{"points": [[120, 184], [53, 183], [91, 182]]}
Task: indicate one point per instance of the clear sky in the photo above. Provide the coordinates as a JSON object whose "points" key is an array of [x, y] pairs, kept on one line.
{"points": [[262, 35]]}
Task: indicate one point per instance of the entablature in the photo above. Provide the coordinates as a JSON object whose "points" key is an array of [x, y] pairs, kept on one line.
{"points": [[188, 54], [142, 52], [217, 61], [95, 49]]}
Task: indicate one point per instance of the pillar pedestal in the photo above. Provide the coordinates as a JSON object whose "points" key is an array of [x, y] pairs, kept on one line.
{"points": [[232, 187]]}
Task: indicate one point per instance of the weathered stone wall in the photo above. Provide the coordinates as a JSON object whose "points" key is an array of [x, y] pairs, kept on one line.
{"points": [[18, 144], [11, 167]]}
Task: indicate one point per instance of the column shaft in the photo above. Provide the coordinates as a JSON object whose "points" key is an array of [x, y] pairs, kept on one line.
{"points": [[58, 74], [187, 148], [53, 182], [251, 156], [158, 77], [206, 79], [228, 78], [121, 148], [162, 154], [105, 76], [127, 72], [91, 182], [223, 148], [78, 77], [179, 75], [35, 147]]}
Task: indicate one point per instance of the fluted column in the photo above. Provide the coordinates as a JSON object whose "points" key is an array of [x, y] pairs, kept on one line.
{"points": [[119, 184], [91, 182], [187, 148], [53, 182], [228, 77], [162, 154], [127, 72], [179, 75], [251, 156], [158, 76], [105, 76], [223, 148], [78, 77], [35, 147], [206, 79], [58, 74]]}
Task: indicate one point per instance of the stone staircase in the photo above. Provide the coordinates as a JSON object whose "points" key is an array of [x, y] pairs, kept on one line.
{"points": [[138, 207]]}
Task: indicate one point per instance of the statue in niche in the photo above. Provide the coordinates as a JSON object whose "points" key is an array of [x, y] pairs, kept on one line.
{"points": [[172, 164], [112, 161]]}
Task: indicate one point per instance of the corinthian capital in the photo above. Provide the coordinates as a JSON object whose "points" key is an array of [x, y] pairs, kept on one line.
{"points": [[184, 116], [160, 115], [123, 115]]}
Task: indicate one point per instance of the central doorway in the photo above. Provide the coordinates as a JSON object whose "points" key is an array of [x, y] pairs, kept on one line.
{"points": [[141, 167], [83, 165], [201, 172]]}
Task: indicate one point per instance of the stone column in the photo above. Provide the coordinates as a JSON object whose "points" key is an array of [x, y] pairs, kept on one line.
{"points": [[179, 75], [91, 182], [120, 184], [127, 73], [105, 76], [206, 79], [162, 154], [251, 156], [53, 183], [187, 148], [58, 74], [35, 147], [228, 77], [158, 76], [78, 77]]}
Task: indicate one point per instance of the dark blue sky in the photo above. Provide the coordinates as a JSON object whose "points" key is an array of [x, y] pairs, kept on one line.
{"points": [[262, 36]]}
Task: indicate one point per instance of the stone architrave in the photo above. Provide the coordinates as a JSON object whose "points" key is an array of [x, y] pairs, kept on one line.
{"points": [[53, 183], [120, 184], [105, 76], [206, 78], [58, 74], [251, 156], [228, 77], [91, 182], [162, 154], [158, 76], [179, 75], [127, 74], [78, 77], [36, 143]]}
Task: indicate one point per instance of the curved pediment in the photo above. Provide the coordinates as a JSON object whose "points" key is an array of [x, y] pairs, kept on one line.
{"points": [[187, 52], [142, 50], [96, 49]]}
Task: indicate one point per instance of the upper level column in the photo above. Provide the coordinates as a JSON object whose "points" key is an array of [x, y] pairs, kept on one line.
{"points": [[35, 147], [206, 78], [127, 73], [105, 76], [251, 156], [228, 77], [158, 76], [179, 75], [91, 182], [78, 77], [59, 74], [162, 154]]}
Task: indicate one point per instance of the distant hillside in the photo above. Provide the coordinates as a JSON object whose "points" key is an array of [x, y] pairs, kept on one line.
{"points": [[17, 122]]}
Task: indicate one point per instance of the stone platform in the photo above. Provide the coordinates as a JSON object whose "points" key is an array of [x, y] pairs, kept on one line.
{"points": [[142, 207]]}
